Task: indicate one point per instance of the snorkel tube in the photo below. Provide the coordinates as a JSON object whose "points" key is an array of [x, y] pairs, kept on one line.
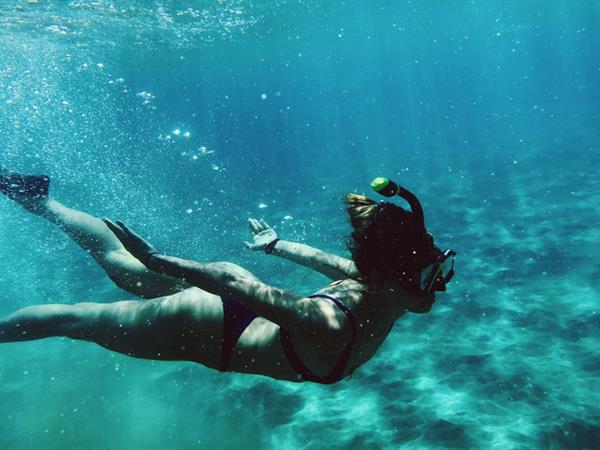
{"points": [[389, 188]]}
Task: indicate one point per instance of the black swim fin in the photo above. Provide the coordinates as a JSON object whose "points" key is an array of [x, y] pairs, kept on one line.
{"points": [[13, 184]]}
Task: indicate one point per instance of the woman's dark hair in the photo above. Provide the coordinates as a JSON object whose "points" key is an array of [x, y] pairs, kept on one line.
{"points": [[387, 239]]}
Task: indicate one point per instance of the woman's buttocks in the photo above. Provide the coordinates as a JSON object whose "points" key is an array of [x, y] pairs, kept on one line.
{"points": [[259, 350]]}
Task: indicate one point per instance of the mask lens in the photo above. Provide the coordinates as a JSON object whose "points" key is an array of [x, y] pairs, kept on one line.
{"points": [[448, 265], [428, 277], [442, 271]]}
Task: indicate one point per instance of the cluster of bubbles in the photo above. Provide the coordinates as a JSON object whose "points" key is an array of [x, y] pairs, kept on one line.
{"points": [[182, 137], [177, 132], [147, 98], [138, 23]]}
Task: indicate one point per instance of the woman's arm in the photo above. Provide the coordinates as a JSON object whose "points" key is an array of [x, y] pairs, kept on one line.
{"points": [[317, 320], [332, 266], [284, 308], [276, 305]]}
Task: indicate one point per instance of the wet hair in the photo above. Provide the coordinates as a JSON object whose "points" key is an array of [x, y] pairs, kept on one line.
{"points": [[387, 239]]}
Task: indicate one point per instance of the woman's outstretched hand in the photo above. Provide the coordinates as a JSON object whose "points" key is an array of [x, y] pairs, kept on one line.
{"points": [[132, 241], [263, 235]]}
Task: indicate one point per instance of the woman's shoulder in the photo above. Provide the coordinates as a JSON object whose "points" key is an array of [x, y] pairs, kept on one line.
{"points": [[352, 293], [362, 300], [349, 283], [342, 288]]}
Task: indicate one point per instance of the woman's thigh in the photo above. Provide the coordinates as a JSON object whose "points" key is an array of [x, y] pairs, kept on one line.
{"points": [[185, 326]]}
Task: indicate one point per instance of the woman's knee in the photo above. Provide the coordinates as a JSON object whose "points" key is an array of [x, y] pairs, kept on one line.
{"points": [[132, 276], [53, 320], [120, 265]]}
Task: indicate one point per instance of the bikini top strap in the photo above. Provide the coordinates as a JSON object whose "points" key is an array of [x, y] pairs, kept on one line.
{"points": [[340, 305]]}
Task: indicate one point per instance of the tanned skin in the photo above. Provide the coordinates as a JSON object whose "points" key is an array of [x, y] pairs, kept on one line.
{"points": [[178, 313]]}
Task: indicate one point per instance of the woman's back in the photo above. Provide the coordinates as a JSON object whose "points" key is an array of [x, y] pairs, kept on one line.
{"points": [[260, 349]]}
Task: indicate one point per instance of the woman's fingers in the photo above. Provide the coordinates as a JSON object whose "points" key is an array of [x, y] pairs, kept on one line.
{"points": [[117, 231], [251, 226], [250, 245], [128, 231], [255, 226], [125, 228], [128, 238]]}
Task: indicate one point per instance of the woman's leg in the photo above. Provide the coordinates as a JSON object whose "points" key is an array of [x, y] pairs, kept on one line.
{"points": [[183, 327], [91, 234]]}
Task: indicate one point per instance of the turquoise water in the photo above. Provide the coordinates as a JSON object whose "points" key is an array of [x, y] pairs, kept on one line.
{"points": [[488, 110]]}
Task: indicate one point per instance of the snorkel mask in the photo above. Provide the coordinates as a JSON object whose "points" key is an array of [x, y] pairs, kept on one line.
{"points": [[435, 276]]}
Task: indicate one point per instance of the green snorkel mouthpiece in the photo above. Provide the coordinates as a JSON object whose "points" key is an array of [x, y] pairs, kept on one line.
{"points": [[389, 188]]}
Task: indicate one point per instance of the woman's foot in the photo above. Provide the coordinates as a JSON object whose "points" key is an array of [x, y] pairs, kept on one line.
{"points": [[30, 191]]}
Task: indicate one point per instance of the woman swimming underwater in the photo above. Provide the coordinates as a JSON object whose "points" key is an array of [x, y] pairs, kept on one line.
{"points": [[222, 316]]}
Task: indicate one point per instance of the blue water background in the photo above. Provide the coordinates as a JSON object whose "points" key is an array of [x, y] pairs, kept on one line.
{"points": [[487, 110]]}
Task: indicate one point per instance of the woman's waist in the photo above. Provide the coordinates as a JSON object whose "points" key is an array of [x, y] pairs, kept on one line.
{"points": [[262, 349]]}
